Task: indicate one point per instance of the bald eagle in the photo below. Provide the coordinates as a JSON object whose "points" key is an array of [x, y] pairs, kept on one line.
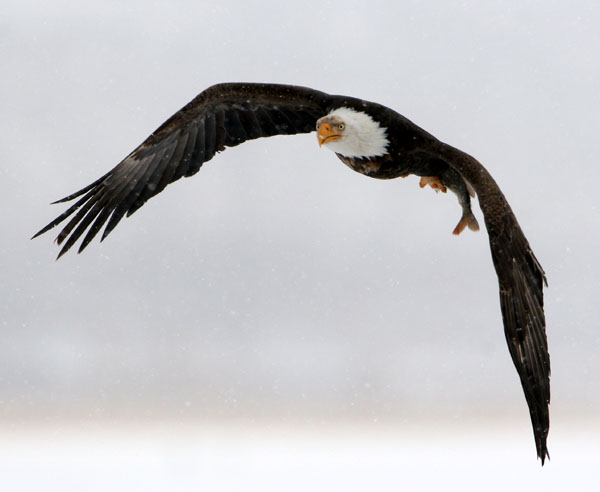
{"points": [[370, 139]]}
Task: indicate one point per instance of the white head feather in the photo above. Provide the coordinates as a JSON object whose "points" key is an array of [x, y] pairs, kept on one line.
{"points": [[362, 137]]}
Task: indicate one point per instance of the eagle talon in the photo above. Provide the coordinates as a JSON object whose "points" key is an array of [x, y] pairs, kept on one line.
{"points": [[433, 181]]}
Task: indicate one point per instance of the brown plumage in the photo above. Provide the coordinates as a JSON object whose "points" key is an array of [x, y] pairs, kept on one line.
{"points": [[227, 115]]}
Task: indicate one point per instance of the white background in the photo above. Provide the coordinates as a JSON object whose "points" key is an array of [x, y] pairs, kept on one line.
{"points": [[278, 317]]}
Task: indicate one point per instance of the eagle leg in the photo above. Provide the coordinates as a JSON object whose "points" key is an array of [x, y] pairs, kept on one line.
{"points": [[434, 181]]}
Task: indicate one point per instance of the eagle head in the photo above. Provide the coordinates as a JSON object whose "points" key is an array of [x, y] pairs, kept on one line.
{"points": [[352, 133]]}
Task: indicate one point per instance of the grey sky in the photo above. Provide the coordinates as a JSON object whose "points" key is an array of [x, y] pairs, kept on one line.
{"points": [[276, 281]]}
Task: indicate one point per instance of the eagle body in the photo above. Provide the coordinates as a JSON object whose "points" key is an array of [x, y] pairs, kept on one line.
{"points": [[370, 139]]}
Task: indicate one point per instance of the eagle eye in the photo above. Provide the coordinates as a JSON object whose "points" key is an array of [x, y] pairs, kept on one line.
{"points": [[341, 126]]}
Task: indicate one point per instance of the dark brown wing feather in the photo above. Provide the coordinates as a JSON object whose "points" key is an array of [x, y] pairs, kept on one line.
{"points": [[224, 115], [521, 281]]}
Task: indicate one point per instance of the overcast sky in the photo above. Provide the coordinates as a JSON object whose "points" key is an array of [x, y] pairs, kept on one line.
{"points": [[276, 282]]}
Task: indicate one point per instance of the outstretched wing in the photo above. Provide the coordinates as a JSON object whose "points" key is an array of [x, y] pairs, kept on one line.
{"points": [[223, 115], [521, 280]]}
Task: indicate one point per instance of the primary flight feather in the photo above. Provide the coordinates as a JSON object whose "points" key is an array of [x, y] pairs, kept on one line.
{"points": [[370, 139]]}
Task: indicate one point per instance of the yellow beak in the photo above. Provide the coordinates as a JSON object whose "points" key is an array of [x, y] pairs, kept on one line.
{"points": [[326, 134]]}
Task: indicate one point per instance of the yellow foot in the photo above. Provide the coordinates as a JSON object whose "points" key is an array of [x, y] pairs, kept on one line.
{"points": [[434, 182]]}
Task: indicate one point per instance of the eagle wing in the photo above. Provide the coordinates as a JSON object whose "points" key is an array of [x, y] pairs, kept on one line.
{"points": [[521, 280], [224, 115]]}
